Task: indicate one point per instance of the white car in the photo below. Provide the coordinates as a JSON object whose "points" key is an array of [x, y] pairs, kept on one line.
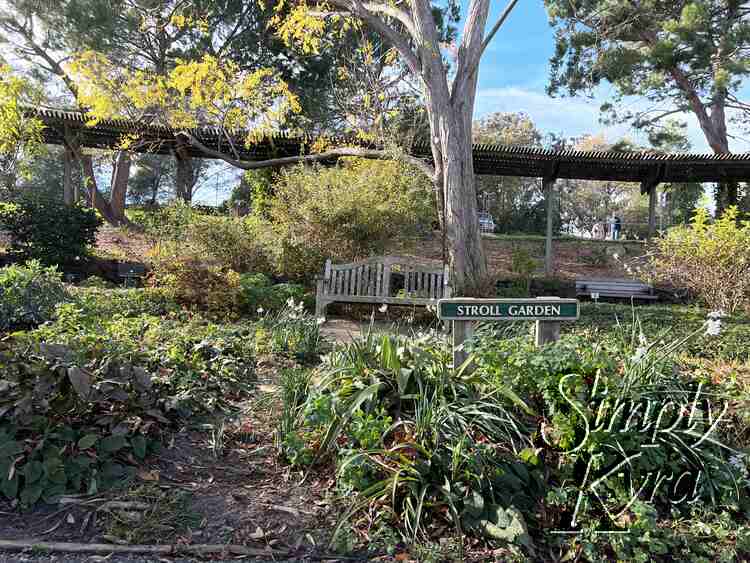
{"points": [[486, 222]]}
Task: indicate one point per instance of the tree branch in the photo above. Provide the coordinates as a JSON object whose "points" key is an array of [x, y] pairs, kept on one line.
{"points": [[463, 75], [495, 28], [332, 154], [396, 39], [392, 12]]}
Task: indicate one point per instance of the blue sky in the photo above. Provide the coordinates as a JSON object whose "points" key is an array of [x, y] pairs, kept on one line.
{"points": [[514, 72]]}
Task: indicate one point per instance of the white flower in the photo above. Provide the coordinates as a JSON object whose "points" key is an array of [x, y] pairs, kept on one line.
{"points": [[713, 327], [640, 353], [260, 310], [320, 320], [738, 462], [642, 339], [717, 314], [383, 308], [290, 302]]}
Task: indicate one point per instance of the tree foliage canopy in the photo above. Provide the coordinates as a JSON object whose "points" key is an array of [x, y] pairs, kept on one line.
{"points": [[681, 55]]}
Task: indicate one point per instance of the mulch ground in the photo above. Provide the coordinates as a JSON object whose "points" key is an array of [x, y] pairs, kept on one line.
{"points": [[236, 492]]}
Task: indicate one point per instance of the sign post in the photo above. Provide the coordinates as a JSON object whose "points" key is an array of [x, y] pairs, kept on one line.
{"points": [[548, 312]]}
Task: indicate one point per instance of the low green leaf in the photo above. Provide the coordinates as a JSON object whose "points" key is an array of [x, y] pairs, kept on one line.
{"points": [[139, 446], [33, 471], [31, 493], [87, 441], [112, 444], [9, 487]]}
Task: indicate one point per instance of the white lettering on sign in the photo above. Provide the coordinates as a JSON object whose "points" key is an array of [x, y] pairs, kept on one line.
{"points": [[494, 310], [534, 310]]}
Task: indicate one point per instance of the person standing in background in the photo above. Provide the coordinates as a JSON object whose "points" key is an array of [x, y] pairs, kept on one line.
{"points": [[616, 227]]}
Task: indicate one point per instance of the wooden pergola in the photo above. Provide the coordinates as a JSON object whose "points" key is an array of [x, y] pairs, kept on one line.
{"points": [[648, 169]]}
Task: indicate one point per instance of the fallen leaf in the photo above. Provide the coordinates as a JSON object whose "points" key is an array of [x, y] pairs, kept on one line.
{"points": [[81, 381], [258, 534], [149, 475]]}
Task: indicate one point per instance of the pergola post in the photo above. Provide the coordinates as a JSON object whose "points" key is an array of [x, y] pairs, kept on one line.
{"points": [[651, 187], [548, 184], [68, 196]]}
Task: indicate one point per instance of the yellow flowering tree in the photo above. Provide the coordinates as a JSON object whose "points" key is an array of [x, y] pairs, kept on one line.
{"points": [[210, 91], [20, 136]]}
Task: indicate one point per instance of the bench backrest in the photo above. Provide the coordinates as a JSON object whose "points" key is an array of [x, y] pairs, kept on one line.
{"points": [[610, 286], [373, 278], [131, 270]]}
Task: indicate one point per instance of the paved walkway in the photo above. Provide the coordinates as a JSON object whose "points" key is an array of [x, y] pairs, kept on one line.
{"points": [[345, 330]]}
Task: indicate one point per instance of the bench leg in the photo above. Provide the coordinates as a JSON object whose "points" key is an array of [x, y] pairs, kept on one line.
{"points": [[320, 308]]}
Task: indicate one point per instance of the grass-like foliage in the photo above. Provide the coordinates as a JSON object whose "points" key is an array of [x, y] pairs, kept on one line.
{"points": [[404, 431], [291, 331], [580, 436]]}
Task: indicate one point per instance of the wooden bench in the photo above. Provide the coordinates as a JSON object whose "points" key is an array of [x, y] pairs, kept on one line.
{"points": [[372, 281], [618, 288], [129, 272]]}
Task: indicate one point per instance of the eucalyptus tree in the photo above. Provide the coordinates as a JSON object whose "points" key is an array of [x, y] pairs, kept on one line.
{"points": [[680, 55], [412, 30]]}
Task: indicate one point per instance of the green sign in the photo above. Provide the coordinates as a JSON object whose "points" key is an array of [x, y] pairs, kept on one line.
{"points": [[541, 309]]}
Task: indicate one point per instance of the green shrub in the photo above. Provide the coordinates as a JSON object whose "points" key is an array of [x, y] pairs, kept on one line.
{"points": [[186, 276], [125, 302], [97, 282], [345, 212], [260, 295], [604, 321], [170, 222], [583, 397], [445, 462], [197, 366], [49, 230], [87, 395], [523, 264], [29, 294], [712, 260], [237, 243]]}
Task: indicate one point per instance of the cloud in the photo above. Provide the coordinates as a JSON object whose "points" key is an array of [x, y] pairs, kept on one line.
{"points": [[569, 116], [577, 116]]}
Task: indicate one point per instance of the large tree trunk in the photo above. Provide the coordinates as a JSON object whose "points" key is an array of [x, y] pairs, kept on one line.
{"points": [[450, 112], [96, 199], [467, 259], [119, 186], [186, 177]]}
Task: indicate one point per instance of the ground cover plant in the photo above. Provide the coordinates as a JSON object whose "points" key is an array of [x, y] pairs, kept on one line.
{"points": [[479, 457], [492, 451], [29, 294]]}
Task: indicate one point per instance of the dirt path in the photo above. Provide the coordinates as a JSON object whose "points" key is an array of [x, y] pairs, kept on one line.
{"points": [[218, 483]]}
